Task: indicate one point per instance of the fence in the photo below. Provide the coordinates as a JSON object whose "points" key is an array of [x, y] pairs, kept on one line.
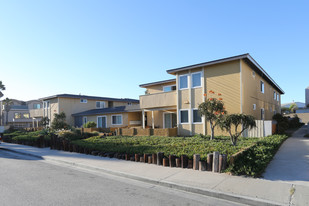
{"points": [[263, 128]]}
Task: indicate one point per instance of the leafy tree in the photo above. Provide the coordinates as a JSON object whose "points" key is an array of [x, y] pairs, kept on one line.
{"points": [[59, 121], [233, 121], [282, 123], [293, 107], [90, 125], [213, 111], [2, 87], [7, 107], [44, 121]]}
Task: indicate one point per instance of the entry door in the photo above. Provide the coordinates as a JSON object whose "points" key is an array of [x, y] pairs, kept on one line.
{"points": [[102, 122], [170, 120]]}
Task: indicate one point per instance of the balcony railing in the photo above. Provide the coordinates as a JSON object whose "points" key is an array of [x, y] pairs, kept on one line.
{"points": [[164, 99]]}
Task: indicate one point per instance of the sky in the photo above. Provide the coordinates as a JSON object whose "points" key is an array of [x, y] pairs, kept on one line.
{"points": [[109, 48]]}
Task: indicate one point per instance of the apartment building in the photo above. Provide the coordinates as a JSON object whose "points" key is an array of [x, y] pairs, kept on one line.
{"points": [[73, 104], [243, 84], [22, 114]]}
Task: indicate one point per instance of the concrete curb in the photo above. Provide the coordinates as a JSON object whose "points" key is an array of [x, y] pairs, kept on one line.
{"points": [[211, 193]]}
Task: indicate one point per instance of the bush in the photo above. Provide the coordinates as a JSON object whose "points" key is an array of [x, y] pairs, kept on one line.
{"points": [[58, 122], [254, 160], [69, 135], [90, 125]]}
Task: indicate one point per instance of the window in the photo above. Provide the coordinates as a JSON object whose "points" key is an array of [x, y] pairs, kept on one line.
{"points": [[183, 82], [197, 118], [196, 79], [85, 120], [262, 86], [262, 114], [26, 115], [36, 106], [116, 119], [253, 74], [254, 106], [169, 88], [275, 95], [278, 97], [100, 105], [129, 103], [17, 115], [46, 104], [184, 116], [83, 100]]}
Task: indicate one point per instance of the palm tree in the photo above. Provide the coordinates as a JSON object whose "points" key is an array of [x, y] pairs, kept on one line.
{"points": [[7, 107]]}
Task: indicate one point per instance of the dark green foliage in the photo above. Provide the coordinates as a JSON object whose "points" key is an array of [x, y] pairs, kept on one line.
{"points": [[233, 122], [90, 125], [44, 121], [59, 122], [169, 145], [254, 161], [284, 123]]}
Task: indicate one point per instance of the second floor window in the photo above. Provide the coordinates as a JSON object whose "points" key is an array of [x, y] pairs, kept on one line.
{"points": [[183, 82], [262, 86], [100, 105], [17, 115], [36, 106], [275, 95], [196, 79], [169, 88], [83, 100]]}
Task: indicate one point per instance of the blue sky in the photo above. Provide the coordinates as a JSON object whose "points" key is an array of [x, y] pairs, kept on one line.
{"points": [[108, 48]]}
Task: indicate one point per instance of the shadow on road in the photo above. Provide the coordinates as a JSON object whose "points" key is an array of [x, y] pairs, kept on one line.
{"points": [[12, 155]]}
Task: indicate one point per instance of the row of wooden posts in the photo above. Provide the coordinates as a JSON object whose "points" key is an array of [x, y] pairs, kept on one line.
{"points": [[215, 162]]}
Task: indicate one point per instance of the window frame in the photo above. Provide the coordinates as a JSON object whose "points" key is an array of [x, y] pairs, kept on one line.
{"points": [[17, 113], [186, 75], [170, 86], [262, 86], [201, 122], [200, 79], [115, 115], [81, 100], [100, 104], [105, 121], [182, 110]]}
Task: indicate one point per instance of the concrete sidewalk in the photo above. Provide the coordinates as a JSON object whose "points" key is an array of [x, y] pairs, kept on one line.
{"points": [[248, 191]]}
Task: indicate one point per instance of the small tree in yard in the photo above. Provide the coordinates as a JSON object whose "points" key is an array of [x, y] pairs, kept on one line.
{"points": [[213, 110], [7, 107], [59, 121], [233, 121], [44, 121], [90, 125]]}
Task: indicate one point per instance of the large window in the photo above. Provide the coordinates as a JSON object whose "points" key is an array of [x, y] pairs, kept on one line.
{"points": [[116, 119], [262, 86], [197, 118], [184, 116], [169, 88], [196, 79], [17, 115], [26, 115], [100, 105], [183, 82], [36, 106]]}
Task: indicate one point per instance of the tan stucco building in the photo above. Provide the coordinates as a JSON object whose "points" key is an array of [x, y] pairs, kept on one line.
{"points": [[243, 84]]}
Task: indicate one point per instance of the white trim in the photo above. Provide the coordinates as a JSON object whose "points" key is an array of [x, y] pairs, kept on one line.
{"points": [[102, 121], [116, 115], [200, 72], [188, 83], [204, 98], [202, 121], [180, 110], [143, 118]]}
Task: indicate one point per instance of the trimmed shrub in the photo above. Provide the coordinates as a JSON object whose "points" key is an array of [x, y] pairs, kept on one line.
{"points": [[90, 125]]}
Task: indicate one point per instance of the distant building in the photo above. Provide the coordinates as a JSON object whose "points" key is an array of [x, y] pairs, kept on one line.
{"points": [[307, 96]]}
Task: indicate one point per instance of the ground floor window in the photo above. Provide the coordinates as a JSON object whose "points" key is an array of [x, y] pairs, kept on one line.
{"points": [[184, 116], [197, 118], [101, 122], [116, 119]]}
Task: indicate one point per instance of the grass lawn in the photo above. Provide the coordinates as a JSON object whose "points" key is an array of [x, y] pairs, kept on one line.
{"points": [[169, 145]]}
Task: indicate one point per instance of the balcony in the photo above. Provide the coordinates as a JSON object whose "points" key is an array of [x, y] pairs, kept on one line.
{"points": [[36, 112], [157, 100]]}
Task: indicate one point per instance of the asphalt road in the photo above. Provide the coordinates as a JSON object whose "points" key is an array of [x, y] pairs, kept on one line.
{"points": [[26, 180]]}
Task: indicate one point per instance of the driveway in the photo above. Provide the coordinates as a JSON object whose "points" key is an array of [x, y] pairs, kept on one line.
{"points": [[291, 163]]}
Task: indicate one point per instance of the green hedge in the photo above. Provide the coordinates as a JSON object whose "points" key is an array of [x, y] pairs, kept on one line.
{"points": [[169, 145], [254, 161]]}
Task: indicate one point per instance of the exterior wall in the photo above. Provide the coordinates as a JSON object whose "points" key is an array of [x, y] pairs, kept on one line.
{"points": [[307, 97], [125, 119], [53, 108], [253, 95], [158, 88]]}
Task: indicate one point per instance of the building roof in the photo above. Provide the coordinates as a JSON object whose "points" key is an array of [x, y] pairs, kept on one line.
{"points": [[246, 57], [156, 83], [91, 97], [121, 109]]}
